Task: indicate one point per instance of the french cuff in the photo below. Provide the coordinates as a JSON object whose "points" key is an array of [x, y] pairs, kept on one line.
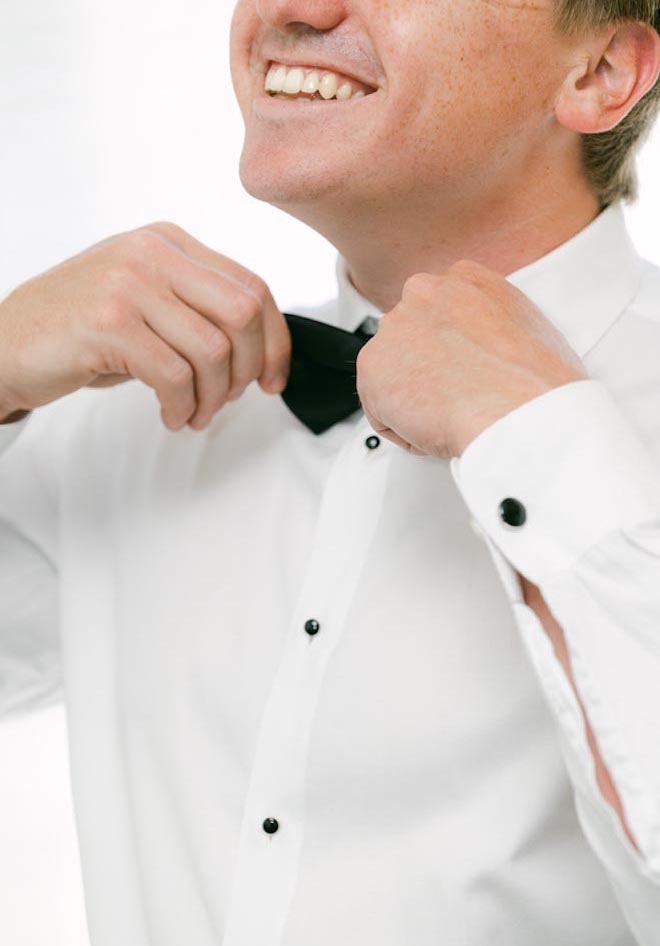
{"points": [[9, 432], [550, 479]]}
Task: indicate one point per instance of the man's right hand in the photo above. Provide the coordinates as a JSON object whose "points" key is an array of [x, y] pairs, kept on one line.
{"points": [[152, 304]]}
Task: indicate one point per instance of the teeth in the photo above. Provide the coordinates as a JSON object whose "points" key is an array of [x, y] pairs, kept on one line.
{"points": [[329, 85], [269, 79], [311, 83], [296, 80], [276, 78]]}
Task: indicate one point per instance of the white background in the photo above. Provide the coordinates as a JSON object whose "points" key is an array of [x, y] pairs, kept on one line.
{"points": [[112, 115]]}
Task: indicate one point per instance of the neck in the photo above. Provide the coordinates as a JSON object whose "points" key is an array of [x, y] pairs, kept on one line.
{"points": [[503, 231]]}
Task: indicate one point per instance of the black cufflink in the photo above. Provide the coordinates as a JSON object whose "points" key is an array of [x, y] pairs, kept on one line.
{"points": [[513, 512]]}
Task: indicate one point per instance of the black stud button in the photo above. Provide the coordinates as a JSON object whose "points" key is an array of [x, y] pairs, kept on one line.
{"points": [[513, 512], [270, 826], [373, 442], [312, 627]]}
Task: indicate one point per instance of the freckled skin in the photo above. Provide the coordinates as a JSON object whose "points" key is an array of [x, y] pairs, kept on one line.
{"points": [[459, 145], [449, 69]]}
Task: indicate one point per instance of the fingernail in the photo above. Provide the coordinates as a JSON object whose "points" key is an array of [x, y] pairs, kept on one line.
{"points": [[175, 427]]}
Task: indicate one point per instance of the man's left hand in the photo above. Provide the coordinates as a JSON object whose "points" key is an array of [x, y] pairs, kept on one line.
{"points": [[458, 352]]}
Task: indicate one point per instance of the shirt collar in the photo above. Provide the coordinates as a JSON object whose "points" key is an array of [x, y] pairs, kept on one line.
{"points": [[581, 287]]}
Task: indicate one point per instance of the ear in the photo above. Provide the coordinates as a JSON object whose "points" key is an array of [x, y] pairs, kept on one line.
{"points": [[615, 71]]}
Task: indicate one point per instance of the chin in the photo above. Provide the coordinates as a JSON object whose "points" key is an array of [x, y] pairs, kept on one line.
{"points": [[283, 178]]}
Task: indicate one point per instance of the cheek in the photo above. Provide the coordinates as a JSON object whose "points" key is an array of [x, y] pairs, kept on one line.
{"points": [[466, 122], [468, 81], [244, 26]]}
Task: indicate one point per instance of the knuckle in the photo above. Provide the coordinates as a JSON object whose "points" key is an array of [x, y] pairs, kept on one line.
{"points": [[138, 255], [136, 260], [246, 310], [164, 228], [256, 285], [118, 283], [421, 284], [178, 373], [466, 268], [217, 347], [141, 243], [113, 316]]}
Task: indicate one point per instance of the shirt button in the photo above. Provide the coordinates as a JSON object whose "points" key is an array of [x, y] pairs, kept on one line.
{"points": [[373, 442], [513, 512], [312, 627], [270, 826]]}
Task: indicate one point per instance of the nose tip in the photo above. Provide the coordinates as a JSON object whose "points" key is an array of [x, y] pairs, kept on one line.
{"points": [[286, 15]]}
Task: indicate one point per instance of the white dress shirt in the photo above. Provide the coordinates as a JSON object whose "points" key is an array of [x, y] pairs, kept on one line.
{"points": [[423, 753]]}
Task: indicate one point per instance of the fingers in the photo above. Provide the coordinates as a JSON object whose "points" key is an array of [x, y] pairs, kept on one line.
{"points": [[252, 323], [203, 254], [277, 352], [204, 347], [151, 360], [239, 303], [217, 316]]}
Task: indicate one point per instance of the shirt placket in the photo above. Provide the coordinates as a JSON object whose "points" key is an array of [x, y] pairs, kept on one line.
{"points": [[272, 830]]}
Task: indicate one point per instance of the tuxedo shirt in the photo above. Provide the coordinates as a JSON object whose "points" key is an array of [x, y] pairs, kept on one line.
{"points": [[256, 628]]}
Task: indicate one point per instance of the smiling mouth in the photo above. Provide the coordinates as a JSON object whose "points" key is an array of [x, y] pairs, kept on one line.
{"points": [[310, 83]]}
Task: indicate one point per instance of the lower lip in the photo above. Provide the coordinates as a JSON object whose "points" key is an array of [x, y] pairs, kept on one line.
{"points": [[265, 104]]}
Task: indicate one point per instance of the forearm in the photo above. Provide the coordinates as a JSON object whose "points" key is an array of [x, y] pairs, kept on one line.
{"points": [[534, 599], [589, 551]]}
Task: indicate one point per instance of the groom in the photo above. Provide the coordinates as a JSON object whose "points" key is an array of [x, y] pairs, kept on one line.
{"points": [[304, 706]]}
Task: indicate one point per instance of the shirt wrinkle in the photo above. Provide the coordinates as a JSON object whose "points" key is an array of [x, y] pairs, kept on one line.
{"points": [[307, 706]]}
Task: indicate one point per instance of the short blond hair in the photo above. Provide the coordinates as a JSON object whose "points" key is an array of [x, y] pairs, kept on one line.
{"points": [[609, 157]]}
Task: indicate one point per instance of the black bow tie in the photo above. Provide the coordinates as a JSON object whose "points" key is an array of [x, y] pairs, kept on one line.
{"points": [[322, 387]]}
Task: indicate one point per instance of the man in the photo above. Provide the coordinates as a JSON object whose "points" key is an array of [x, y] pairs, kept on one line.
{"points": [[395, 682]]}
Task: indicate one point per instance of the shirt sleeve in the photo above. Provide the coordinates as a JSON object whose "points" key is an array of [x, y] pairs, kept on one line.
{"points": [[583, 524], [30, 674], [10, 432]]}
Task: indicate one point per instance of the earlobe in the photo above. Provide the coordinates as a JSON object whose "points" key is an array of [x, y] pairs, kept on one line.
{"points": [[612, 77]]}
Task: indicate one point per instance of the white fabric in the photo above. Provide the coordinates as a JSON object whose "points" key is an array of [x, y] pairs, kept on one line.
{"points": [[424, 753]]}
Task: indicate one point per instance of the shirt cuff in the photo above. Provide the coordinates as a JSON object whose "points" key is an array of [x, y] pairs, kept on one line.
{"points": [[9, 432], [572, 469]]}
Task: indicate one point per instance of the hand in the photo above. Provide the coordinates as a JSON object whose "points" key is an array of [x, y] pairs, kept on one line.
{"points": [[152, 304], [457, 353]]}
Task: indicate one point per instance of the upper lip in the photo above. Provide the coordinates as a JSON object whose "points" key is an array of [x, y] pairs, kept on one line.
{"points": [[314, 60]]}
